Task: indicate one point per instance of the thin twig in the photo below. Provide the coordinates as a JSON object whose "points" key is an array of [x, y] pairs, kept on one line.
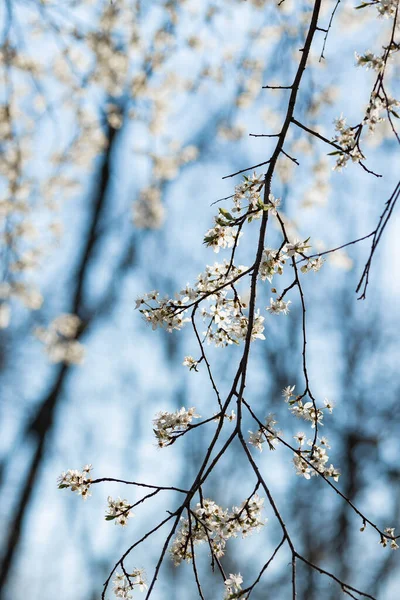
{"points": [[383, 221], [365, 237], [290, 157], [145, 485], [247, 169], [327, 30]]}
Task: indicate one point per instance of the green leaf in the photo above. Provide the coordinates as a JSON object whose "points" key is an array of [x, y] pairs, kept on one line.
{"points": [[226, 214], [209, 239]]}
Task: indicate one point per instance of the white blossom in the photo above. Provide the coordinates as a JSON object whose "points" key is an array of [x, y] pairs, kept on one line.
{"points": [[370, 61], [313, 264], [272, 262], [233, 585], [346, 139], [118, 511], [300, 438], [221, 237], [309, 463], [228, 324], [124, 587], [287, 392], [77, 481], [278, 306], [329, 405], [273, 204], [308, 412], [376, 106], [384, 540], [387, 8], [167, 424], [297, 247], [215, 526], [302, 467], [190, 362], [266, 433]]}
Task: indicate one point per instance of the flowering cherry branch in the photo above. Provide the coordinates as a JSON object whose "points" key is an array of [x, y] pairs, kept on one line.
{"points": [[341, 150], [267, 431], [232, 320]]}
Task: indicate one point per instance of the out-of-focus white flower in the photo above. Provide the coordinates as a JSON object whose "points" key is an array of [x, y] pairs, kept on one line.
{"points": [[59, 341]]}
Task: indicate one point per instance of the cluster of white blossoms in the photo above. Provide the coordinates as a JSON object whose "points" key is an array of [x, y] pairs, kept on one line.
{"points": [[248, 192], [273, 261], [379, 101], [246, 198], [308, 411], [387, 8], [148, 211], [370, 61], [118, 511], [124, 587], [216, 276], [167, 425], [346, 139], [228, 324], [384, 540], [29, 295], [167, 312], [317, 457], [221, 236], [212, 524], [233, 585], [376, 106], [59, 340], [312, 264], [77, 481], [266, 433]]}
